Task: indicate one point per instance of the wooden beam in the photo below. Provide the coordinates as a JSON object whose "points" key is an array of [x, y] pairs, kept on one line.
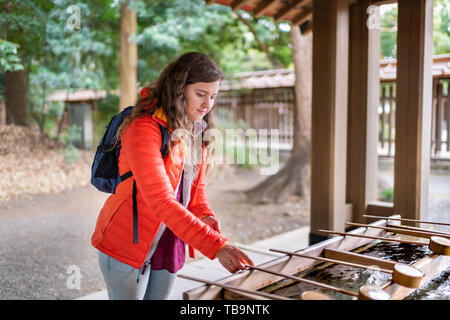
{"points": [[302, 17], [380, 2], [237, 4], [348, 211], [413, 107], [262, 6], [380, 208], [329, 115], [363, 111], [288, 8], [128, 57]]}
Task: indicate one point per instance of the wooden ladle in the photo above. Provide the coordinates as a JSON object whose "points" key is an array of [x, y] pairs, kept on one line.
{"points": [[363, 294], [402, 274], [436, 244]]}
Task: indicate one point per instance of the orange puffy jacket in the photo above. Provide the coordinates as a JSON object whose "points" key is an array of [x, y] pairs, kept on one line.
{"points": [[156, 180]]}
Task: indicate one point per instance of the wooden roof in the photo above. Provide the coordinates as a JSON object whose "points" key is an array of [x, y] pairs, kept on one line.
{"points": [[77, 95], [441, 68], [296, 11], [286, 77]]}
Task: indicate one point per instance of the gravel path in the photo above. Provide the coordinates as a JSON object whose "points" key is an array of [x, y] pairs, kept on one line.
{"points": [[41, 238]]}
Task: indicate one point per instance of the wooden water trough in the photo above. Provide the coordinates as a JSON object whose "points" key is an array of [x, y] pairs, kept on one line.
{"points": [[263, 281]]}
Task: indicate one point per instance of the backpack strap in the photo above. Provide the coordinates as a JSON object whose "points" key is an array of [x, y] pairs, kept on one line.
{"points": [[165, 141], [135, 214], [125, 176]]}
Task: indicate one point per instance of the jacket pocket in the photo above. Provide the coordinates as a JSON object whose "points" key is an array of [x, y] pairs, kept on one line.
{"points": [[111, 206]]}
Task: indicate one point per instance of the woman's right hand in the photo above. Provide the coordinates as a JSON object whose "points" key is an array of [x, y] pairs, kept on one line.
{"points": [[233, 259]]}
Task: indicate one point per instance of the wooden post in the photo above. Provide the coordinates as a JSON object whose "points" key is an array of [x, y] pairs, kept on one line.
{"points": [[363, 111], [413, 102], [439, 117], [95, 115], [382, 117], [391, 115], [128, 57], [447, 108], [433, 117], [329, 116]]}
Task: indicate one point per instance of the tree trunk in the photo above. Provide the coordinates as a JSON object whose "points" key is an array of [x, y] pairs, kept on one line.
{"points": [[294, 178], [16, 98], [128, 57], [2, 112]]}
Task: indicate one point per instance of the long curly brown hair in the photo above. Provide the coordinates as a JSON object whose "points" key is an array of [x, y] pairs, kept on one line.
{"points": [[189, 68]]}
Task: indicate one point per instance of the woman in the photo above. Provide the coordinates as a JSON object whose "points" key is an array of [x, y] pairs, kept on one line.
{"points": [[170, 193]]}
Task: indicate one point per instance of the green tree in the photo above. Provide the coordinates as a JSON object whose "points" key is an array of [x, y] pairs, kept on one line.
{"points": [[55, 55], [388, 32], [9, 61], [168, 28], [37, 39], [441, 29], [441, 23], [21, 25]]}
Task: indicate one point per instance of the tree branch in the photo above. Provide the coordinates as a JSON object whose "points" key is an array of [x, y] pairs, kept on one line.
{"points": [[262, 45]]}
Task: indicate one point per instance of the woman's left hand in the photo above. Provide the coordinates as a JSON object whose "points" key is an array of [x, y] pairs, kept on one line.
{"points": [[212, 222]]}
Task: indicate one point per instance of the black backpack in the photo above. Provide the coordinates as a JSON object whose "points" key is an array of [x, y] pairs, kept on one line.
{"points": [[105, 170]]}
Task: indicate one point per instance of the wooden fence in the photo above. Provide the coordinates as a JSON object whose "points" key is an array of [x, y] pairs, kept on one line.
{"points": [[441, 120], [440, 144], [272, 108]]}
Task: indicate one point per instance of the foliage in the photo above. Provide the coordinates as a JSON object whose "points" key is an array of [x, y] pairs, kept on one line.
{"points": [[387, 194], [441, 29], [106, 109], [9, 61], [441, 22], [70, 152], [169, 28], [37, 36], [388, 32], [56, 55]]}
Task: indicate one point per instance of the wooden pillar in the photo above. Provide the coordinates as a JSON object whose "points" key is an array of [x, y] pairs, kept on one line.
{"points": [[439, 117], [95, 115], [128, 57], [364, 84], [329, 116], [413, 102]]}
